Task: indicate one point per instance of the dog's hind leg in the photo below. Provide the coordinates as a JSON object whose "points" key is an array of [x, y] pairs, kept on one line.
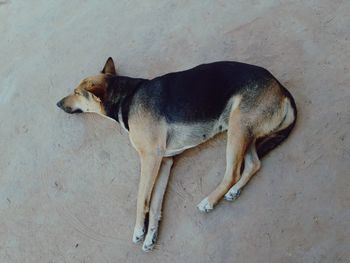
{"points": [[251, 166], [238, 139], [156, 203]]}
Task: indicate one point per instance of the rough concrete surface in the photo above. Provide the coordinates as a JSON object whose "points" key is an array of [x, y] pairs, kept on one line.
{"points": [[68, 182]]}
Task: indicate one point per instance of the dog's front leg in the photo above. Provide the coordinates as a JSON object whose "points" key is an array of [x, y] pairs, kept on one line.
{"points": [[156, 203], [150, 163]]}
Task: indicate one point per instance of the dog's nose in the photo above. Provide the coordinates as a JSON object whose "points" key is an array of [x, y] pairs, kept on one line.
{"points": [[59, 104]]}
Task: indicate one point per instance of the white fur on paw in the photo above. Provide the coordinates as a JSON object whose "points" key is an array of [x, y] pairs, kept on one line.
{"points": [[233, 194], [150, 239], [205, 205], [139, 233]]}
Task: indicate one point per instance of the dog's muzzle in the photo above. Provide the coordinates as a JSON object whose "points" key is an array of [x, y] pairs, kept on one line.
{"points": [[67, 109]]}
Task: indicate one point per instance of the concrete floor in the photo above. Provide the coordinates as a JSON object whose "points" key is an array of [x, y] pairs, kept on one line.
{"points": [[68, 183]]}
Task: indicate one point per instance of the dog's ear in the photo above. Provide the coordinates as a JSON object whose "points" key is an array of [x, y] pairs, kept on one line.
{"points": [[109, 67]]}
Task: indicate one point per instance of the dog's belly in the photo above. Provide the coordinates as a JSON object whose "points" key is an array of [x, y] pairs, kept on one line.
{"points": [[184, 136]]}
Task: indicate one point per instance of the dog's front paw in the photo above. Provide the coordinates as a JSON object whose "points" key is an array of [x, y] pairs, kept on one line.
{"points": [[139, 233], [233, 194], [150, 239], [205, 205]]}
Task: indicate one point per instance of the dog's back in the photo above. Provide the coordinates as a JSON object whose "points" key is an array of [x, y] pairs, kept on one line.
{"points": [[200, 93]]}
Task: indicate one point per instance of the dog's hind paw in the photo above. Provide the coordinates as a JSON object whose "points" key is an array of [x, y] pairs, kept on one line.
{"points": [[205, 205], [232, 195]]}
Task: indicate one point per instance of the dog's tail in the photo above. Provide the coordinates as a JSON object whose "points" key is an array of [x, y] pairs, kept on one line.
{"points": [[266, 144]]}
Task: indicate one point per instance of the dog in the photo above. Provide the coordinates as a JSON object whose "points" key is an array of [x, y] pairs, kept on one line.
{"points": [[166, 115]]}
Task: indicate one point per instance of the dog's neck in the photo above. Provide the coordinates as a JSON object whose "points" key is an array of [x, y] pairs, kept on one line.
{"points": [[120, 91]]}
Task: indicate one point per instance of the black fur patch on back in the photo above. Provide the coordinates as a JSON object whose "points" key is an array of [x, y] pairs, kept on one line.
{"points": [[201, 93]]}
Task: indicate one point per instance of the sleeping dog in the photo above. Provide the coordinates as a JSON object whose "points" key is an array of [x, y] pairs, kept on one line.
{"points": [[166, 115]]}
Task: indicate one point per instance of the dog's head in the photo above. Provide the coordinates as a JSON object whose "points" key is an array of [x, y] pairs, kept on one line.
{"points": [[88, 96]]}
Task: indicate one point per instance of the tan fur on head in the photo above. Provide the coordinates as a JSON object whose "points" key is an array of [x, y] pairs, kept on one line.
{"points": [[87, 97], [95, 84], [90, 93]]}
